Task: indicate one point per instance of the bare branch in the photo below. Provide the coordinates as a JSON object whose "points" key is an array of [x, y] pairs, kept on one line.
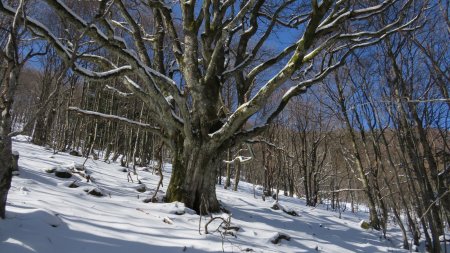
{"points": [[148, 127], [118, 92]]}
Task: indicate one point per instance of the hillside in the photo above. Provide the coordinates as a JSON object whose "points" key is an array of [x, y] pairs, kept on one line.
{"points": [[45, 215]]}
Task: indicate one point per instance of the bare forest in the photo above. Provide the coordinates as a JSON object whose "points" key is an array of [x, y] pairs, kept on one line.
{"points": [[342, 103]]}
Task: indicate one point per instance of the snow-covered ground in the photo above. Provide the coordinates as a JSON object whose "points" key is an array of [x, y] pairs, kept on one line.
{"points": [[45, 215]]}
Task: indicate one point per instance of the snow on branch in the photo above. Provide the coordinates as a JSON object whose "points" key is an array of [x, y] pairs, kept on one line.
{"points": [[341, 190], [118, 92], [127, 121], [116, 72], [428, 100], [240, 159], [293, 22], [117, 45], [296, 90], [121, 25]]}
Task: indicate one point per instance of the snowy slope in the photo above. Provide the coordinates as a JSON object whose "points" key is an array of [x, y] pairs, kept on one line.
{"points": [[45, 215]]}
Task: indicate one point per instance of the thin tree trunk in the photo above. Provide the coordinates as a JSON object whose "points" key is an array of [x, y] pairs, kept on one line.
{"points": [[374, 221], [237, 166], [228, 176]]}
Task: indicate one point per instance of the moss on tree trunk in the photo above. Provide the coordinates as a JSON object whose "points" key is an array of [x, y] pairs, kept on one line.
{"points": [[193, 180]]}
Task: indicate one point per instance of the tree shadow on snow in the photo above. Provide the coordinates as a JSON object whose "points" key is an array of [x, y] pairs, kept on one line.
{"points": [[42, 231], [329, 234]]}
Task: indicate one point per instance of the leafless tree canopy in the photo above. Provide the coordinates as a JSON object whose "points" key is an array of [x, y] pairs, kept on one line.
{"points": [[212, 81]]}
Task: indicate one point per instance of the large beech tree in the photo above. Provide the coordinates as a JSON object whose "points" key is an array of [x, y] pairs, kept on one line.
{"points": [[175, 56]]}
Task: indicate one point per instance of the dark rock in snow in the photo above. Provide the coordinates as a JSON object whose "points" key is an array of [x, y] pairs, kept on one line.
{"points": [[291, 212], [278, 237], [149, 200], [278, 206], [63, 174], [275, 207], [141, 188], [75, 153], [96, 192], [73, 185]]}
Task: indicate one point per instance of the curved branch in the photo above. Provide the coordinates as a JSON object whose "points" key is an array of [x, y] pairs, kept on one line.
{"points": [[148, 127]]}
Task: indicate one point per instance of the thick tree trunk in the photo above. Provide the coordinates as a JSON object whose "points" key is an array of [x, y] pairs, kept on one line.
{"points": [[5, 160], [175, 187], [6, 167], [200, 183], [7, 86], [193, 179]]}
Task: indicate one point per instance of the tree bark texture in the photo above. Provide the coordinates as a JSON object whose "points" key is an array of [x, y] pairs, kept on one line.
{"points": [[5, 159], [194, 170]]}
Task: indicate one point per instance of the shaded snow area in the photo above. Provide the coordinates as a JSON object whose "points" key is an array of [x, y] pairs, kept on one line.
{"points": [[49, 214]]}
